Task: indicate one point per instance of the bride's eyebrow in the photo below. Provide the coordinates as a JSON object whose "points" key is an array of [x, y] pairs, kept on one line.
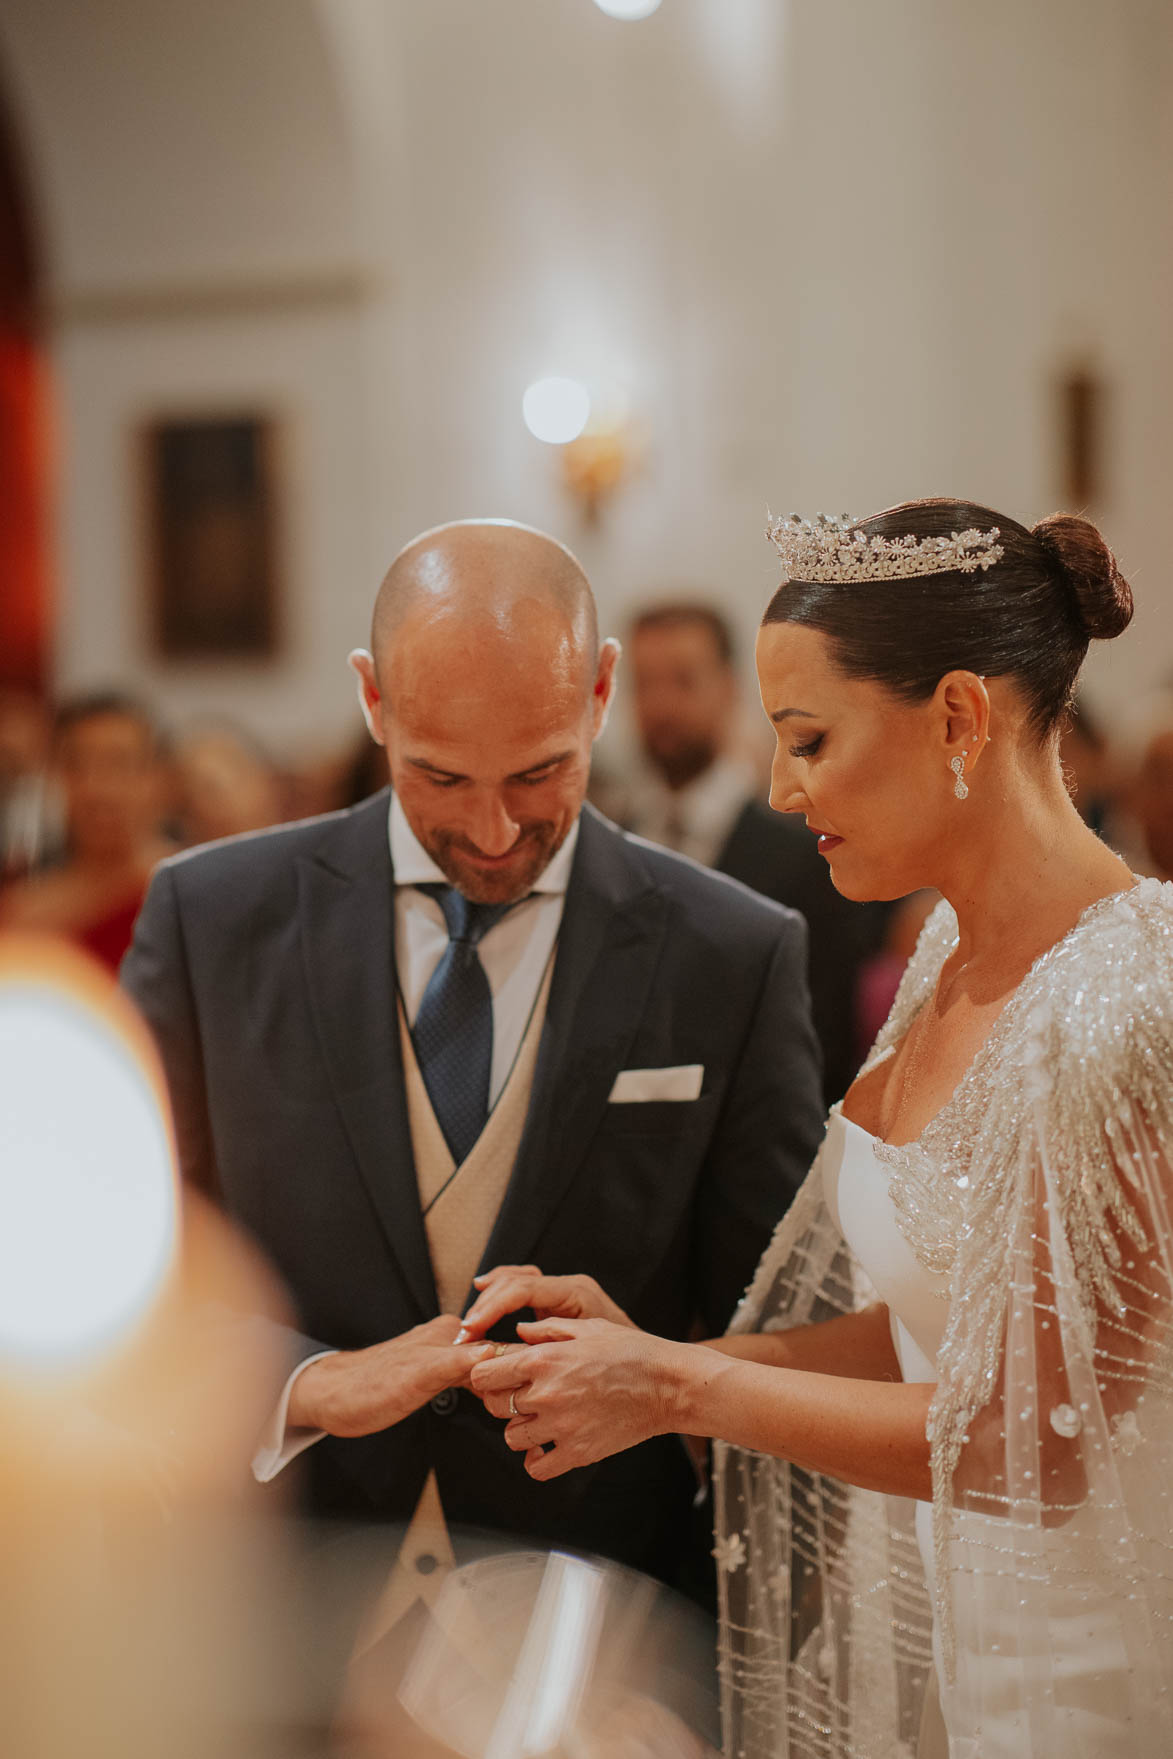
{"points": [[785, 714]]}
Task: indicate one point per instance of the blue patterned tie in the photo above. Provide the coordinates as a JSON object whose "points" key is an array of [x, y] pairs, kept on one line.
{"points": [[453, 1032]]}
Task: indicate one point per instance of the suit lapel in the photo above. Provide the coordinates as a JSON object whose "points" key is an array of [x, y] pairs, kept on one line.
{"points": [[346, 911], [738, 843], [613, 927]]}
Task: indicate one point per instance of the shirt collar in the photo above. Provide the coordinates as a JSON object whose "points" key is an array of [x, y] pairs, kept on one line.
{"points": [[708, 802], [413, 865], [702, 806]]}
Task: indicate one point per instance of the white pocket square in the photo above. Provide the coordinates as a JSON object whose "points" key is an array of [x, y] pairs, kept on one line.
{"points": [[635, 1085]]}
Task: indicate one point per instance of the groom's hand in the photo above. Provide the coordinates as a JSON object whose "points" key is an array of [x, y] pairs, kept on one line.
{"points": [[359, 1392], [588, 1388], [511, 1287]]}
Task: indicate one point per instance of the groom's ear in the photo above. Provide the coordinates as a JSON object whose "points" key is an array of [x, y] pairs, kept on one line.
{"points": [[369, 698], [603, 689]]}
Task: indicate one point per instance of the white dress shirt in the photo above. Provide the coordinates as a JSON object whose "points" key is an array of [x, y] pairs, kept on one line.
{"points": [[515, 953], [695, 820]]}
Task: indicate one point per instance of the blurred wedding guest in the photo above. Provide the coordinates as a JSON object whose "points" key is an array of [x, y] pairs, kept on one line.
{"points": [[1094, 777], [365, 772], [106, 757], [1153, 800], [226, 783], [335, 777], [692, 792], [30, 809]]}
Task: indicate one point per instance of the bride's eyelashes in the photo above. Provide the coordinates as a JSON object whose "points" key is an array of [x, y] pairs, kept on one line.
{"points": [[809, 749]]}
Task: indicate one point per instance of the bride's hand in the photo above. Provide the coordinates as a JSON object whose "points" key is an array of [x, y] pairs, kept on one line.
{"points": [[510, 1287], [589, 1387]]}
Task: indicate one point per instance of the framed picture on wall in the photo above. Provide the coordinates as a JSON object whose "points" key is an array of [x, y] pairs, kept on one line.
{"points": [[212, 505]]}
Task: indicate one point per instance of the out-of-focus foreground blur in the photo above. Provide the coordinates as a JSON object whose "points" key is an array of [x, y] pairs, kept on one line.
{"points": [[133, 1615], [151, 1602]]}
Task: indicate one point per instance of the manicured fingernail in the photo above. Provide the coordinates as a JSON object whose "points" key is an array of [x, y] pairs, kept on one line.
{"points": [[462, 1336]]}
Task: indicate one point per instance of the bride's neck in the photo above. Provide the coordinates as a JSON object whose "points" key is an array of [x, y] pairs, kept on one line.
{"points": [[1025, 870]]}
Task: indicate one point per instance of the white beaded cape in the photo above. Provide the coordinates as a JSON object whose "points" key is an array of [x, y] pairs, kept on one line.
{"points": [[1043, 1193]]}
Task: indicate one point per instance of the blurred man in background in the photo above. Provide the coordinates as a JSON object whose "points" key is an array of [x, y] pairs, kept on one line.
{"points": [[1153, 800], [694, 793], [1096, 778], [106, 758], [225, 783], [30, 808]]}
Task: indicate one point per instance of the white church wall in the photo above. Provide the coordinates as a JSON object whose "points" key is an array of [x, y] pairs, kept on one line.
{"points": [[196, 199], [841, 254], [307, 370], [837, 254]]}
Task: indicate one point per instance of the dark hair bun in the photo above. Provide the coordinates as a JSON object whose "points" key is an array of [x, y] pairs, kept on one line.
{"points": [[1088, 570]]}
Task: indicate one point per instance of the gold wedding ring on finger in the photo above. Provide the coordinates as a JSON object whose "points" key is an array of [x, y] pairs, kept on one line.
{"points": [[513, 1410], [500, 1349]]}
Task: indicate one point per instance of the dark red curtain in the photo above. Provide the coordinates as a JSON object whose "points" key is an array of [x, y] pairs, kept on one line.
{"points": [[24, 584], [25, 599]]}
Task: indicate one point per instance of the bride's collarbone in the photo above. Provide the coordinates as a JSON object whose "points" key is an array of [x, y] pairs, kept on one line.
{"points": [[898, 1098], [904, 1092]]}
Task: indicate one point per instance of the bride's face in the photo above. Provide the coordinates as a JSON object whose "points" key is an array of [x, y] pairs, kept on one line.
{"points": [[869, 773]]}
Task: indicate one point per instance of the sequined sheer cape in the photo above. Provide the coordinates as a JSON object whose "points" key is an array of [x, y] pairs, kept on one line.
{"points": [[1043, 1193]]}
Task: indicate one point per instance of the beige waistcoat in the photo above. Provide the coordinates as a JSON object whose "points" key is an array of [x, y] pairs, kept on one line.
{"points": [[459, 1205]]}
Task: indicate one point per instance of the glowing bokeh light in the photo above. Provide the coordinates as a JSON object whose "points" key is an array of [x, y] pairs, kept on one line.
{"points": [[556, 410], [627, 9], [88, 1206]]}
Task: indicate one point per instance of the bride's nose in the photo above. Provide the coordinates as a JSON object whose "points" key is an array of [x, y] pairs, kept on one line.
{"points": [[786, 791]]}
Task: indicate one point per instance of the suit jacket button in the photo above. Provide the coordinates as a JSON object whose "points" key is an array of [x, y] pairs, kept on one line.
{"points": [[445, 1403]]}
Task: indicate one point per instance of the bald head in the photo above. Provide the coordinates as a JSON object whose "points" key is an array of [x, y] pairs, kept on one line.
{"points": [[487, 685], [502, 580]]}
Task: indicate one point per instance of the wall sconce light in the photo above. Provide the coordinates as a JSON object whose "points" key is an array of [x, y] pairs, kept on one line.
{"points": [[629, 10], [597, 446], [596, 463]]}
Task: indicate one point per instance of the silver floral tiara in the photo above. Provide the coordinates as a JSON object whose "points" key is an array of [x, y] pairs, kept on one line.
{"points": [[827, 548]]}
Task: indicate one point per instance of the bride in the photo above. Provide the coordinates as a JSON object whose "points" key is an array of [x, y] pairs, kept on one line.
{"points": [[944, 1408]]}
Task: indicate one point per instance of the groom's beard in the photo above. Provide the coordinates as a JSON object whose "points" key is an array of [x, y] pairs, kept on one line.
{"points": [[506, 881]]}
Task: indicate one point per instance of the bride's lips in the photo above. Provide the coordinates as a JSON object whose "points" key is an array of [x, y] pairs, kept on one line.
{"points": [[826, 840]]}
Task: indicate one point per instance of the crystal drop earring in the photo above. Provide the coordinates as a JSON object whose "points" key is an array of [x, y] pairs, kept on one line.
{"points": [[957, 765]]}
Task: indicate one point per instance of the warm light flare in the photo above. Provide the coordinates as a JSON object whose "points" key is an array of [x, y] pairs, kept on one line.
{"points": [[88, 1198], [556, 410]]}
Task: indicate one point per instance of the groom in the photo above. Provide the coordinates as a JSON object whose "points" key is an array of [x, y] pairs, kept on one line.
{"points": [[469, 1023]]}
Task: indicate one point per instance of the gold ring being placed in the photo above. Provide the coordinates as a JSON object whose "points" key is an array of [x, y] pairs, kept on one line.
{"points": [[513, 1410], [500, 1349]]}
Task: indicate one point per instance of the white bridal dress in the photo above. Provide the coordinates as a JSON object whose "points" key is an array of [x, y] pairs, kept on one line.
{"points": [[1023, 1249]]}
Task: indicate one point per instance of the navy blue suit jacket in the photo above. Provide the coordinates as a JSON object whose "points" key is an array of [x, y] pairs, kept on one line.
{"points": [[265, 966]]}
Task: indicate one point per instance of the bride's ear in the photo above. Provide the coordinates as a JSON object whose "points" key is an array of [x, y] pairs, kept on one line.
{"points": [[964, 705]]}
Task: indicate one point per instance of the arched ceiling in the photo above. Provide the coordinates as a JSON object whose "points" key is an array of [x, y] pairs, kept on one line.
{"points": [[115, 101]]}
